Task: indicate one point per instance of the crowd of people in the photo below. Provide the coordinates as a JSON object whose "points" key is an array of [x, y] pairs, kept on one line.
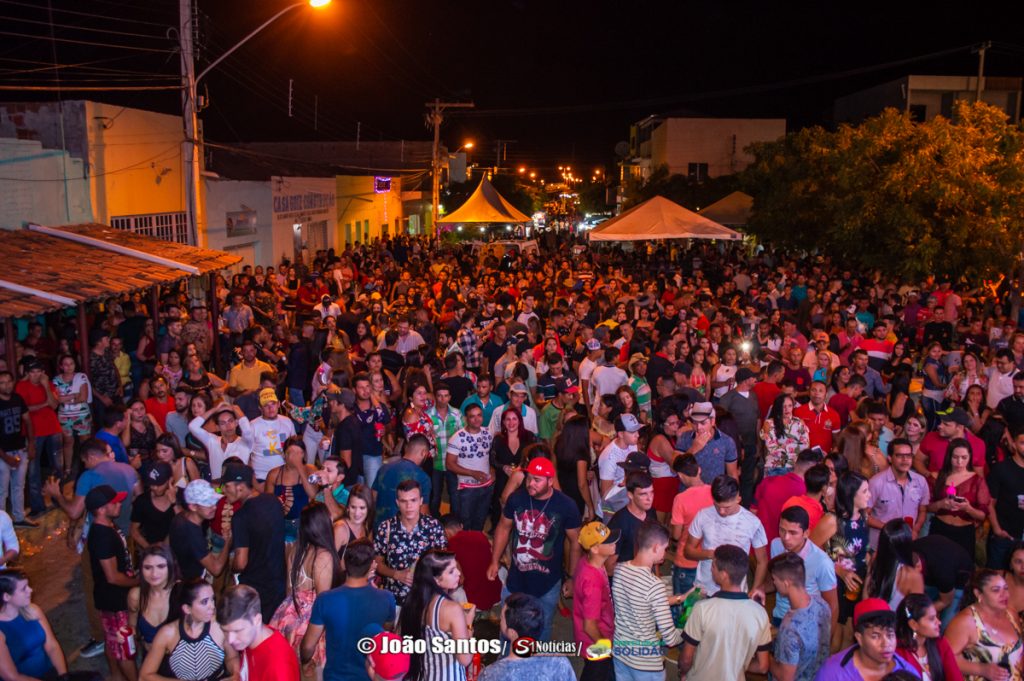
{"points": [[699, 463]]}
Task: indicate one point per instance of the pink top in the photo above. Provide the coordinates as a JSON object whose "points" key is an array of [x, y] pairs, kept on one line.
{"points": [[592, 600]]}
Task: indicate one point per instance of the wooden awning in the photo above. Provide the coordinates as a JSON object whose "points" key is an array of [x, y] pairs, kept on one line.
{"points": [[47, 269]]}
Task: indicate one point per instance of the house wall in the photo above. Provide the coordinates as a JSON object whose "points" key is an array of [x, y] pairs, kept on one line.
{"points": [[363, 213], [718, 142], [304, 216], [33, 186], [240, 219]]}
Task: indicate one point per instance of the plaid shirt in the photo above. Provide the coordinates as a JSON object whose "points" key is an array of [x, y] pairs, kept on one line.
{"points": [[470, 347], [443, 430]]}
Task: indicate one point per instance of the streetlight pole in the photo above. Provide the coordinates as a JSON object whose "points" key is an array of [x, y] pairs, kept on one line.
{"points": [[435, 116], [192, 149]]}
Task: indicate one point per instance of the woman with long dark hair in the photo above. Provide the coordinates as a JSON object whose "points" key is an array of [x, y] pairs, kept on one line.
{"points": [[183, 469], [960, 497], [291, 485], [506, 451], [896, 570], [848, 547], [28, 647], [986, 635], [192, 647], [357, 522], [784, 437], [430, 613], [661, 450], [314, 569], [149, 603], [919, 640], [572, 463]]}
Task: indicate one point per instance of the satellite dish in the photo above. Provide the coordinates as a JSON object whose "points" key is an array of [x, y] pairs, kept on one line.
{"points": [[622, 149]]}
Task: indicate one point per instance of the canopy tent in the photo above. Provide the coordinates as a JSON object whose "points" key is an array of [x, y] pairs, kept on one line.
{"points": [[485, 205], [659, 218], [733, 210]]}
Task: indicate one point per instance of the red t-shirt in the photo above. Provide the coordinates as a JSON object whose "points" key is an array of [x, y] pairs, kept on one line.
{"points": [[472, 550], [44, 421], [766, 393], [821, 426], [934, 446], [771, 496], [813, 508], [592, 600], [843, 405], [159, 410], [271, 660]]}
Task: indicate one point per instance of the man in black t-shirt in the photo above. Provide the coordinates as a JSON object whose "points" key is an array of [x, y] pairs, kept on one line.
{"points": [[113, 574], [15, 449], [187, 537], [947, 569], [538, 519], [153, 511], [640, 490], [257, 534], [346, 442], [1006, 484]]}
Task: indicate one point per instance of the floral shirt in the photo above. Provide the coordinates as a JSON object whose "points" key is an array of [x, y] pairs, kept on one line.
{"points": [[849, 546], [401, 549], [782, 451]]}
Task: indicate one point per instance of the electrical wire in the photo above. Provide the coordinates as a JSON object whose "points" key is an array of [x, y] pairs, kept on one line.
{"points": [[108, 31], [141, 22], [152, 159], [116, 88], [87, 42], [263, 154]]}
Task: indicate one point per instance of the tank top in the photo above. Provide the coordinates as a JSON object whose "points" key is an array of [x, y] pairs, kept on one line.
{"points": [[25, 639], [146, 630], [1006, 655], [194, 659], [293, 499], [897, 596], [440, 666], [145, 442]]}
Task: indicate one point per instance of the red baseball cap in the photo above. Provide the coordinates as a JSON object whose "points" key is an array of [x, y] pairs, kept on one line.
{"points": [[541, 467], [868, 606]]}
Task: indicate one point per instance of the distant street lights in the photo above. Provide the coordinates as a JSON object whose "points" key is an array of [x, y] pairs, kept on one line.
{"points": [[192, 142]]}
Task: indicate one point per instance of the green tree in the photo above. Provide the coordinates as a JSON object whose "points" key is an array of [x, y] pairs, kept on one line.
{"points": [[908, 198]]}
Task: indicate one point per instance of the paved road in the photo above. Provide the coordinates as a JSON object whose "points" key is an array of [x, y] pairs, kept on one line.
{"points": [[55, 574]]}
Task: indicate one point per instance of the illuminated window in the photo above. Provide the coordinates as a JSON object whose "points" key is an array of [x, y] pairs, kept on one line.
{"points": [[166, 226]]}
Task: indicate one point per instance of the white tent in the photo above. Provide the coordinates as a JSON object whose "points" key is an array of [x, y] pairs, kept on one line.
{"points": [[659, 218], [733, 210], [485, 205]]}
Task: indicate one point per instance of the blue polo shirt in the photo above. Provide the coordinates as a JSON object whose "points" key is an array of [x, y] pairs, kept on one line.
{"points": [[120, 453], [719, 451]]}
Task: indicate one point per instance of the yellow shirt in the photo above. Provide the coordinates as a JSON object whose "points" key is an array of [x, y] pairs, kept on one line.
{"points": [[247, 378]]}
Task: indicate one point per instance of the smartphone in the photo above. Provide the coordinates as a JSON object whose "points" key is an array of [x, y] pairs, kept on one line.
{"points": [[959, 500]]}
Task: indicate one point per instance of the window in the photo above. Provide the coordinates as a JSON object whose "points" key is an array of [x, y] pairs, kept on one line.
{"points": [[697, 171], [166, 226], [348, 233], [918, 113]]}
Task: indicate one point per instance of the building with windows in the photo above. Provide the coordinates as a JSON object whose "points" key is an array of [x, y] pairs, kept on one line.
{"points": [[76, 161], [925, 97]]}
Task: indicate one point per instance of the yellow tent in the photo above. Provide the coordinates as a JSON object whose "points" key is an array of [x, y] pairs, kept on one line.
{"points": [[485, 205], [659, 218], [732, 210]]}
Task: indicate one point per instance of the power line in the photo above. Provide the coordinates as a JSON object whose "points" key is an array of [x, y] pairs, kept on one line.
{"points": [[88, 14], [116, 88], [152, 159], [108, 31], [86, 42], [713, 94]]}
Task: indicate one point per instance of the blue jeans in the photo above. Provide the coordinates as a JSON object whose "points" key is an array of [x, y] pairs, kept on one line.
{"points": [[624, 672], [548, 603], [930, 407], [13, 480], [50, 447], [371, 464], [682, 581], [438, 481], [474, 503]]}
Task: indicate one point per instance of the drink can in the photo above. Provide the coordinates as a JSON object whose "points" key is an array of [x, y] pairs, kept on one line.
{"points": [[128, 642], [314, 479]]}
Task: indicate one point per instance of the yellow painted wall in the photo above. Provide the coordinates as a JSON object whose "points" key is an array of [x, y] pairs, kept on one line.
{"points": [[135, 161], [358, 204]]}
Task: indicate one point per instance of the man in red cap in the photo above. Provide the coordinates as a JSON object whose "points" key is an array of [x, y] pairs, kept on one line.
{"points": [[537, 519], [874, 653], [112, 573]]}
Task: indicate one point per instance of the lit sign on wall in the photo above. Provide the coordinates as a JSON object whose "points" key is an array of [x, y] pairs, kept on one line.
{"points": [[381, 185]]}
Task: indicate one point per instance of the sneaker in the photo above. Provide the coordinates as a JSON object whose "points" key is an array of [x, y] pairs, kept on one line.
{"points": [[92, 648], [25, 522]]}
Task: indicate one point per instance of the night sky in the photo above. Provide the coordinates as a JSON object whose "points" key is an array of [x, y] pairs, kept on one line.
{"points": [[560, 80]]}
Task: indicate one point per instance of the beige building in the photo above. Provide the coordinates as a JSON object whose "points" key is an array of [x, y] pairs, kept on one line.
{"points": [[925, 97], [709, 147]]}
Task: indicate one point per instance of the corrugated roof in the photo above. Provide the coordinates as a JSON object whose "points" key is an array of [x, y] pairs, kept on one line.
{"points": [[87, 273]]}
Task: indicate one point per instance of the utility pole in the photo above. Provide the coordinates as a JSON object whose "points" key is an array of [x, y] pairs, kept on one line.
{"points": [[980, 50], [190, 149], [501, 149], [434, 118]]}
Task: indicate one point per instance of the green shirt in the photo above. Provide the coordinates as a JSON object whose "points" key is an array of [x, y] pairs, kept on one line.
{"points": [[547, 424]]}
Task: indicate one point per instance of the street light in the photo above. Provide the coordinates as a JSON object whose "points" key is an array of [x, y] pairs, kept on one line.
{"points": [[191, 114]]}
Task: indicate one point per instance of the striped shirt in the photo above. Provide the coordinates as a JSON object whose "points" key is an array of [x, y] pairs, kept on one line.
{"points": [[643, 621]]}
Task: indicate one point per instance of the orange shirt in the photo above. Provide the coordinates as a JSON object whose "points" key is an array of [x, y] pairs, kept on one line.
{"points": [[684, 508]]}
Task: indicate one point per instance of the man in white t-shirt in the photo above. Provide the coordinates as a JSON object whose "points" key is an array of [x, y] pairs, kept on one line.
{"points": [[726, 522], [610, 473], [1000, 378], [468, 456], [267, 434], [9, 546], [517, 394], [587, 366], [607, 378]]}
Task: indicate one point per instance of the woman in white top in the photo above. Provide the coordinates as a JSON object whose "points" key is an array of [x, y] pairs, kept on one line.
{"points": [[74, 393], [226, 442], [723, 375]]}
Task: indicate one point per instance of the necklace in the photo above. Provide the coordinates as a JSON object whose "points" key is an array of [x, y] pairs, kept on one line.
{"points": [[544, 507]]}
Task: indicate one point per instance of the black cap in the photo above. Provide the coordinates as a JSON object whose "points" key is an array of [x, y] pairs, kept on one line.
{"points": [[636, 461], [522, 346], [157, 473], [100, 496], [237, 472]]}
